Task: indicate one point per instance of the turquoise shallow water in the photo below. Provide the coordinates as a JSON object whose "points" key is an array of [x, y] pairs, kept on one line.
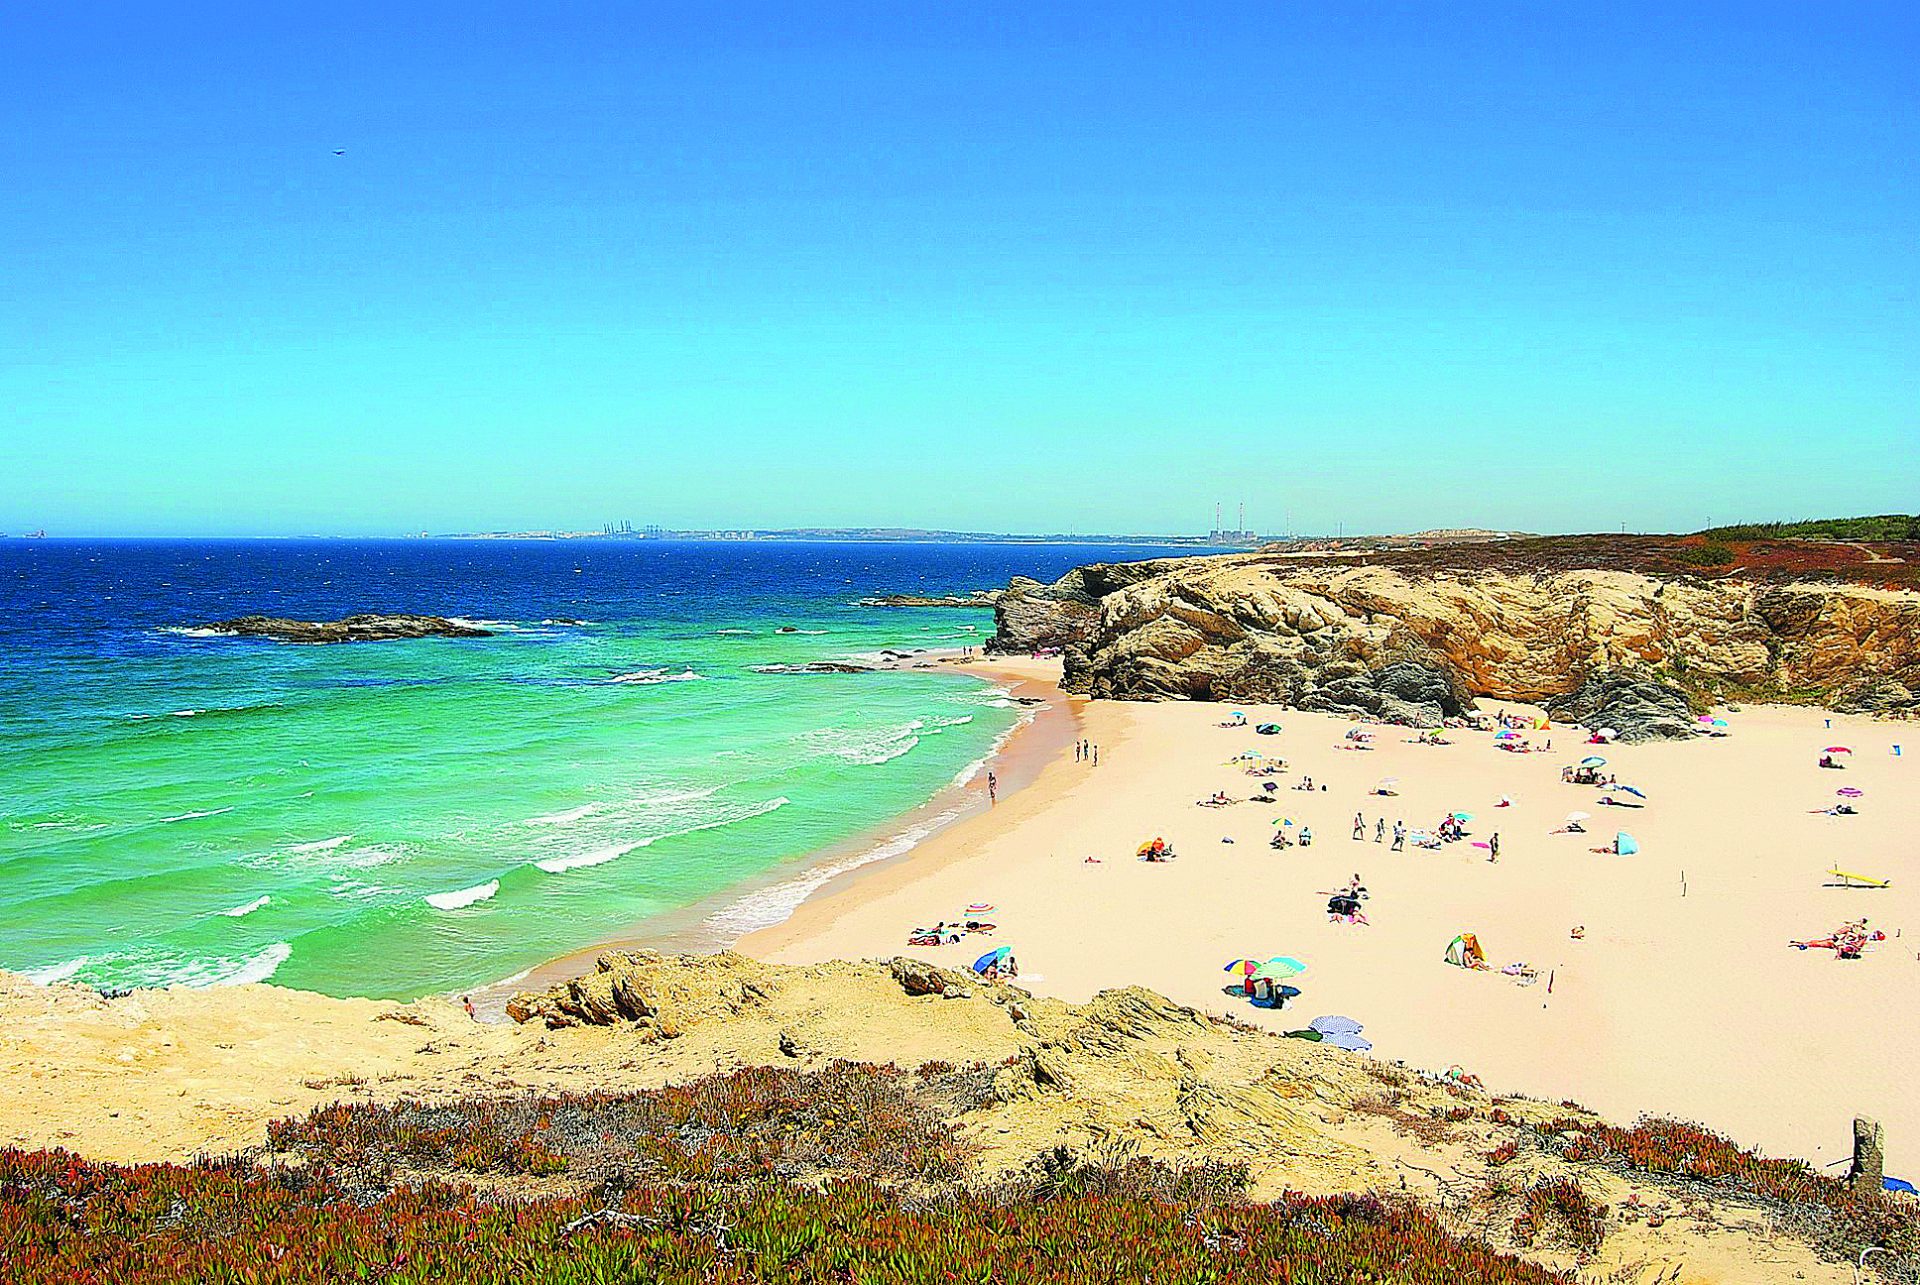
{"points": [[402, 818]]}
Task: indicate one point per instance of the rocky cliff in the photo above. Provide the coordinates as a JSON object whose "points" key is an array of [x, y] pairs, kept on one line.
{"points": [[1420, 644]]}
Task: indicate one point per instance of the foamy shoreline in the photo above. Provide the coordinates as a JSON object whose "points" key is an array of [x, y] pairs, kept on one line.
{"points": [[742, 910]]}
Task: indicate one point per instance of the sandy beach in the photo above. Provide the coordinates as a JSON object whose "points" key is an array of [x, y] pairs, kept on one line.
{"points": [[1683, 997]]}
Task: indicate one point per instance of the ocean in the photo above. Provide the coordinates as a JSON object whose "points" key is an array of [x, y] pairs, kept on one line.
{"points": [[402, 818]]}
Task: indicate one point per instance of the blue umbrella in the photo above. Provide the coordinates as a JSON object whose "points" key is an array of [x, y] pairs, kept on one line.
{"points": [[1351, 1043], [995, 956], [1593, 760], [1625, 844], [1628, 789]]}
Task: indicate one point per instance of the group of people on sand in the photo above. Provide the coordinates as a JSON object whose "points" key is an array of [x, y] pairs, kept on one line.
{"points": [[1086, 752]]}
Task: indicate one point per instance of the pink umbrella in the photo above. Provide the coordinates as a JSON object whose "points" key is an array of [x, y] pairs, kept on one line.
{"points": [[1837, 749]]}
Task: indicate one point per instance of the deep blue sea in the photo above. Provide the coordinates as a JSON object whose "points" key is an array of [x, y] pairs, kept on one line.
{"points": [[400, 818]]}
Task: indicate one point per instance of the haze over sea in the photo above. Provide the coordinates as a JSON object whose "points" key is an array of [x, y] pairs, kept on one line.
{"points": [[399, 818]]}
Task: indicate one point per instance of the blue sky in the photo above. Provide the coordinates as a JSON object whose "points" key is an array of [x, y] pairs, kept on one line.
{"points": [[996, 266]]}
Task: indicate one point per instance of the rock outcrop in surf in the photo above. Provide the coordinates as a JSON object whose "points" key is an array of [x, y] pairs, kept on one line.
{"points": [[365, 627]]}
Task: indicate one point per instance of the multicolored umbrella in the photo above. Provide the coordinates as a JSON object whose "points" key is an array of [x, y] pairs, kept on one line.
{"points": [[980, 908], [1244, 967], [1507, 735]]}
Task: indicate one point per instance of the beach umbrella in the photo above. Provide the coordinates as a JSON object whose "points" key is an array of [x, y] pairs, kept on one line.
{"points": [[1505, 736], [1706, 718], [1838, 749], [1283, 820], [1389, 780], [1608, 733], [1244, 967], [1849, 792], [980, 908], [1463, 816], [1625, 844], [1279, 968], [1579, 816], [1335, 1025], [1628, 789], [1593, 760], [1719, 722], [1351, 1043], [998, 955]]}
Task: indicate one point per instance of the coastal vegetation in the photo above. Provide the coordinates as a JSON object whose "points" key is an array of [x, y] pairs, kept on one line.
{"points": [[845, 1174], [1884, 526], [850, 1172]]}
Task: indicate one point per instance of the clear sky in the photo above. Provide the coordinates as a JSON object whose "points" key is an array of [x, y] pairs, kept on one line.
{"points": [[987, 266]]}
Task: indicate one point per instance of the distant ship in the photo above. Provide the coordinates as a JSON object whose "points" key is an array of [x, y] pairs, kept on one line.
{"points": [[41, 534]]}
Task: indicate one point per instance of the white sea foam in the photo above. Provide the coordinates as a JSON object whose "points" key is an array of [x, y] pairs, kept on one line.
{"points": [[254, 968], [770, 906], [195, 816], [320, 845], [57, 972], [198, 631], [657, 676], [733, 631], [463, 896], [869, 747], [239, 911], [565, 818], [579, 860]]}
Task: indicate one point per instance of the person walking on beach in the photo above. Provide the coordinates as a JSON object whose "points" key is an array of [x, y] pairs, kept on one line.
{"points": [[466, 1002], [1096, 756], [1359, 827], [1076, 750], [1493, 847], [1399, 836], [1379, 829], [993, 788]]}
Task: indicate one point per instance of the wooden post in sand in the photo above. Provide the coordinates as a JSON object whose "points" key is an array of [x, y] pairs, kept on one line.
{"points": [[1869, 1155]]}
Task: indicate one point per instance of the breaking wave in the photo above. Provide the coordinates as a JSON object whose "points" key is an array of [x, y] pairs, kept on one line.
{"points": [[462, 896], [195, 816], [657, 676], [240, 911]]}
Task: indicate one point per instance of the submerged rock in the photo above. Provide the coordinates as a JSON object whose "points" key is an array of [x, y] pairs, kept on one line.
{"points": [[366, 627]]}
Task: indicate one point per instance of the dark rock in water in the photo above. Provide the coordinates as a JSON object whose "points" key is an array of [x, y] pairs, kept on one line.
{"points": [[360, 628], [815, 667], [1634, 703], [979, 599], [786, 629]]}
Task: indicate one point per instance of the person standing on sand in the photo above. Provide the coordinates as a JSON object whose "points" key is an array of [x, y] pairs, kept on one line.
{"points": [[1096, 756], [466, 1002], [1379, 829], [1076, 751], [1493, 846], [993, 788]]}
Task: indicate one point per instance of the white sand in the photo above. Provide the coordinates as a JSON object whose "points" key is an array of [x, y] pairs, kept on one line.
{"points": [[1691, 1005]]}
